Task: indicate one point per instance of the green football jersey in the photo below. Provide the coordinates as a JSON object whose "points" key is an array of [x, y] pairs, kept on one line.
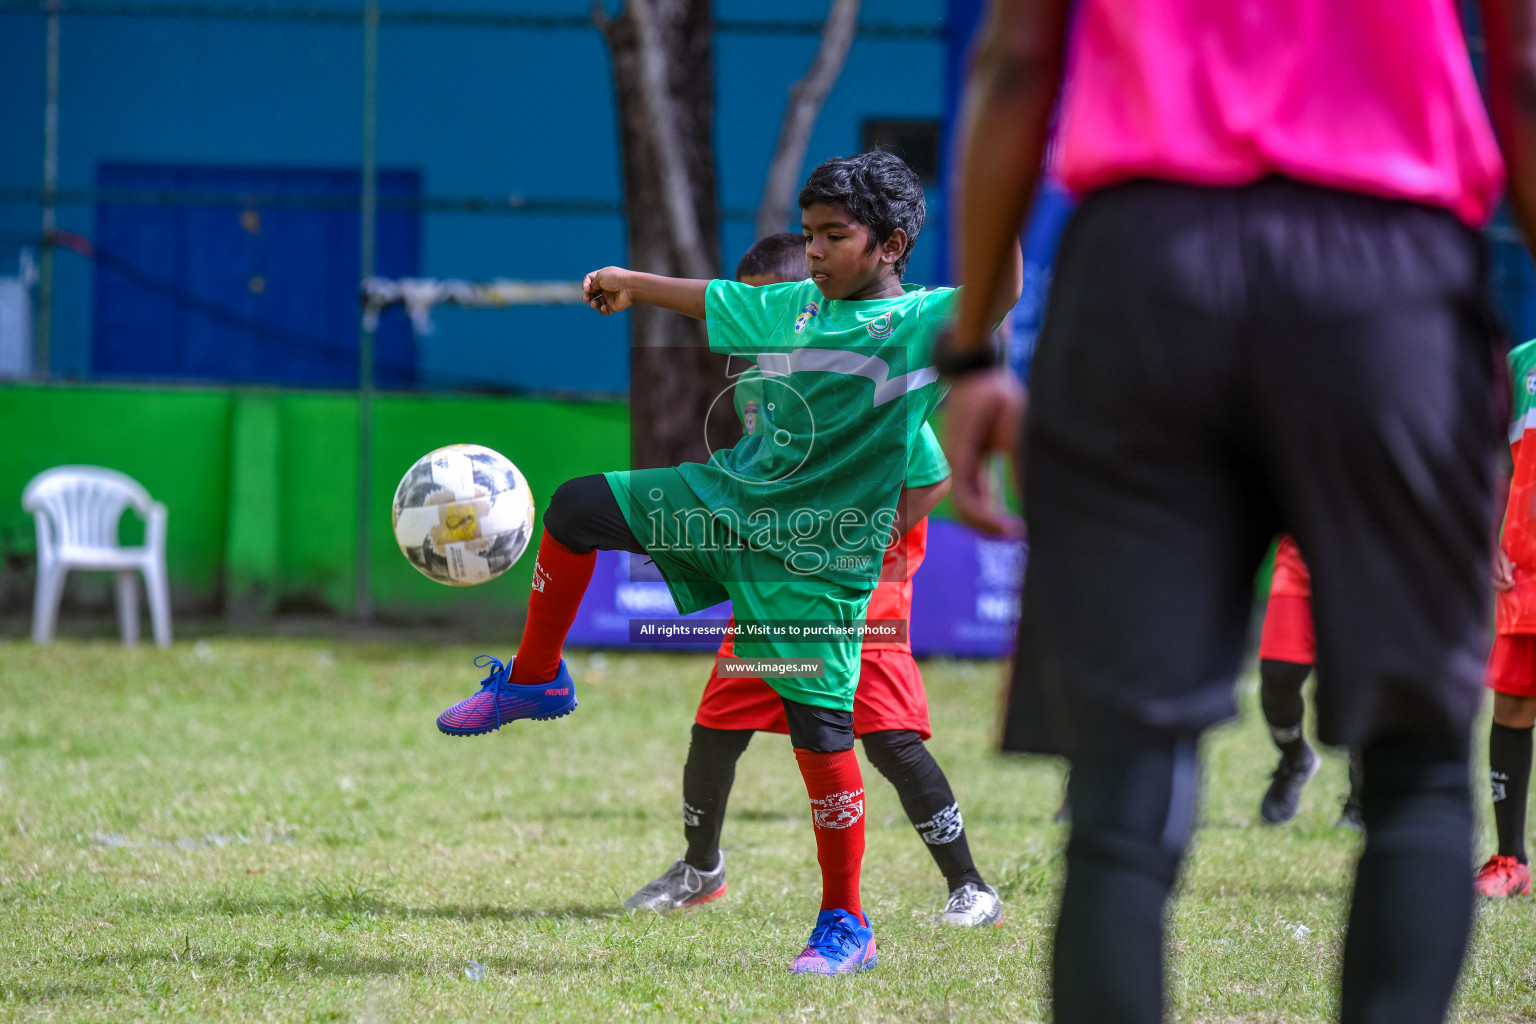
{"points": [[926, 465], [846, 388]]}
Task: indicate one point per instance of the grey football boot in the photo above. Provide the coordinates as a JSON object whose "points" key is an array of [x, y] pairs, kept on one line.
{"points": [[681, 887], [970, 907]]}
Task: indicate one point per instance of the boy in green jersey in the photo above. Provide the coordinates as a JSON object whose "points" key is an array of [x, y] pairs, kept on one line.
{"points": [[890, 711], [792, 522]]}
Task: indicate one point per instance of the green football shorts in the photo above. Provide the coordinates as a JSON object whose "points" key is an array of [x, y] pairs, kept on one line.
{"points": [[799, 616]]}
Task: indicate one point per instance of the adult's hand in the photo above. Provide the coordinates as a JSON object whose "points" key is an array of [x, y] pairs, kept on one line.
{"points": [[984, 414]]}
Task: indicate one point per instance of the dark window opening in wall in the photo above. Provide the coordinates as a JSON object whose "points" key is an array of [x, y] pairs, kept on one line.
{"points": [[916, 142]]}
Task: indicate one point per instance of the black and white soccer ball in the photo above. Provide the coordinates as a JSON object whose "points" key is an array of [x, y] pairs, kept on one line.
{"points": [[463, 514]]}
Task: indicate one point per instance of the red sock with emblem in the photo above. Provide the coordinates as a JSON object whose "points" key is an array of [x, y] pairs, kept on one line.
{"points": [[560, 578], [836, 788]]}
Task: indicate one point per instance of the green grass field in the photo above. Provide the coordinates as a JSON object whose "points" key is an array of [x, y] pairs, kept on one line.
{"points": [[274, 829]]}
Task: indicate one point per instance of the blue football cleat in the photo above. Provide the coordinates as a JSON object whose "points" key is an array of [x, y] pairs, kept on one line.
{"points": [[841, 943], [500, 700]]}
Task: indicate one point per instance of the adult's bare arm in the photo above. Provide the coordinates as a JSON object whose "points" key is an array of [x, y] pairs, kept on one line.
{"points": [[1012, 89], [1510, 29]]}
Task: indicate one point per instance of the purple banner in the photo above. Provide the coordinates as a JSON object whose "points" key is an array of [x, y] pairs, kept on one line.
{"points": [[965, 599]]}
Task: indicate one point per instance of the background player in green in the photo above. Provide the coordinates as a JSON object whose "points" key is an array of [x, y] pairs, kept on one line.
{"points": [[1512, 663], [791, 523]]}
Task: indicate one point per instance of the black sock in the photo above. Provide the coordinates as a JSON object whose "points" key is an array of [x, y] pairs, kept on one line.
{"points": [[1133, 807], [1412, 907], [1280, 697], [707, 778], [901, 757], [1509, 775]]}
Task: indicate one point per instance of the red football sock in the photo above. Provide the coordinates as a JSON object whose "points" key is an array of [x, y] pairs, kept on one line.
{"points": [[560, 578], [836, 789]]}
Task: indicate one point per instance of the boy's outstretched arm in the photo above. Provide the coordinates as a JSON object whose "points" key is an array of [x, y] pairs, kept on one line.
{"points": [[614, 289]]}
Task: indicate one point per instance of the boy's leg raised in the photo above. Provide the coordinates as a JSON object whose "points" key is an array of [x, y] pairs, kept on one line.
{"points": [[605, 512], [583, 516]]}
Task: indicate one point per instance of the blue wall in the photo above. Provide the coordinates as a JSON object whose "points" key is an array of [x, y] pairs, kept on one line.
{"points": [[477, 111]]}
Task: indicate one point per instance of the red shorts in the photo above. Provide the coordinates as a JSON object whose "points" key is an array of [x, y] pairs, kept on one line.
{"points": [[890, 696], [1512, 664], [1288, 631]]}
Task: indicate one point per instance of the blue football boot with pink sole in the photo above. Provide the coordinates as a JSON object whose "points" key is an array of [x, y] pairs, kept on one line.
{"points": [[500, 701], [841, 943]]}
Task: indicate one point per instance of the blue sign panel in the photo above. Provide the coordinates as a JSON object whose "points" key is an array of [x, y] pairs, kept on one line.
{"points": [[189, 285]]}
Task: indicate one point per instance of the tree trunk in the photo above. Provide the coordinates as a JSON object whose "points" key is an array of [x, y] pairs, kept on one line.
{"points": [[806, 97], [663, 73]]}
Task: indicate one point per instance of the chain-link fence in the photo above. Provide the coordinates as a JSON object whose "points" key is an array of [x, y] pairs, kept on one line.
{"points": [[186, 183]]}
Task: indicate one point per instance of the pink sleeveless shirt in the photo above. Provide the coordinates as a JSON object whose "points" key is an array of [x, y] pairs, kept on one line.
{"points": [[1370, 96]]}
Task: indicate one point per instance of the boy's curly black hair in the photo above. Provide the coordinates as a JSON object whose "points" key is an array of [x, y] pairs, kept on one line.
{"points": [[877, 189]]}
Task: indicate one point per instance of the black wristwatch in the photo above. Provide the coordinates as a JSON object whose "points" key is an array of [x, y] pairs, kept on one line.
{"points": [[955, 365]]}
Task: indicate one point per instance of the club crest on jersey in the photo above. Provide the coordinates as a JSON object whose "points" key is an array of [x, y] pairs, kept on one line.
{"points": [[839, 810], [880, 327], [809, 310], [749, 416], [1530, 382]]}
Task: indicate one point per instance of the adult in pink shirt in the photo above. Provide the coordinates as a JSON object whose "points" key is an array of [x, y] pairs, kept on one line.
{"points": [[1268, 315]]}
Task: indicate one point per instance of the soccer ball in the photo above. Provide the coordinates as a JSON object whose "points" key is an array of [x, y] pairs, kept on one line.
{"points": [[463, 514]]}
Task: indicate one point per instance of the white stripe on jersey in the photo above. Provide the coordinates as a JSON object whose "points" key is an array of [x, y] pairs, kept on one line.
{"points": [[855, 364]]}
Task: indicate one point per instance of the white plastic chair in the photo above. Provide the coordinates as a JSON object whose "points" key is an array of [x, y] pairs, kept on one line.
{"points": [[77, 509]]}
